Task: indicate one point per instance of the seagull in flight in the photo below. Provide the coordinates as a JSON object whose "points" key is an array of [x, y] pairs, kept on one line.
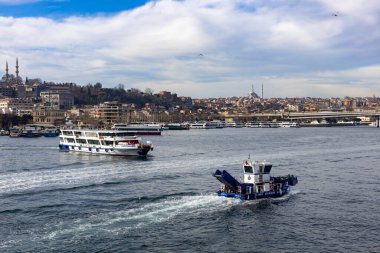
{"points": [[335, 14]]}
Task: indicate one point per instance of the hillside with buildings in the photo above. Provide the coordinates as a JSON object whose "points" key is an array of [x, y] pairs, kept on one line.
{"points": [[35, 101]]}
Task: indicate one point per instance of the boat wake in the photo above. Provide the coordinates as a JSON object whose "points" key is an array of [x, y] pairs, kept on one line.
{"points": [[124, 221]]}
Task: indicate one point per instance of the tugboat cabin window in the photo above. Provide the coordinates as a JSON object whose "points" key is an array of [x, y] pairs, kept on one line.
{"points": [[248, 169], [267, 168]]}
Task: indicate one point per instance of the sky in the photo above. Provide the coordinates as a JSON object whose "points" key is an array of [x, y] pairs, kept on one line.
{"points": [[198, 48]]}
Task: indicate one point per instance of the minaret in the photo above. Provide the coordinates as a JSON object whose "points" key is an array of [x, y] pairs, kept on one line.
{"points": [[6, 72], [17, 71], [252, 92], [262, 90]]}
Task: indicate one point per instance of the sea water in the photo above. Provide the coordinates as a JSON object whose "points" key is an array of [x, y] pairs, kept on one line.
{"points": [[72, 202]]}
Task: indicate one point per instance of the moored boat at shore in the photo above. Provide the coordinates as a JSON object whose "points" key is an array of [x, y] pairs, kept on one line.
{"points": [[257, 182], [200, 125], [139, 129], [107, 142], [31, 131], [288, 124], [50, 132], [15, 132], [4, 132], [177, 126]]}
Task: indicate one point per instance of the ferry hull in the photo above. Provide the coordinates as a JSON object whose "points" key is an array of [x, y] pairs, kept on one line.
{"points": [[142, 151]]}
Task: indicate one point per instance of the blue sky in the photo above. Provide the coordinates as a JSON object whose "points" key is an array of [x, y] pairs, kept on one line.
{"points": [[63, 8], [198, 48]]}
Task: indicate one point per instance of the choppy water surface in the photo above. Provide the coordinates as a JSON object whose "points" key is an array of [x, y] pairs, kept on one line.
{"points": [[63, 202]]}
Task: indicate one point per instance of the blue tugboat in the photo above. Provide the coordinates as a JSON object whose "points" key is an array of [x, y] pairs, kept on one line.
{"points": [[257, 182]]}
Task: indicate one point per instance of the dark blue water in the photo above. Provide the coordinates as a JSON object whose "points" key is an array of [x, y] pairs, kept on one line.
{"points": [[64, 202]]}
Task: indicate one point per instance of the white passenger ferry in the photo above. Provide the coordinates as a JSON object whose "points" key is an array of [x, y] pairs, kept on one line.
{"points": [[200, 125], [139, 129], [109, 142], [289, 124]]}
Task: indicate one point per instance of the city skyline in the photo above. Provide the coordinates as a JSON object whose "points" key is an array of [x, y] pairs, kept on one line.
{"points": [[198, 48]]}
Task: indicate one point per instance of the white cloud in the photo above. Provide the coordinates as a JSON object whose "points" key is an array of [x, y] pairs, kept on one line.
{"points": [[206, 48]]}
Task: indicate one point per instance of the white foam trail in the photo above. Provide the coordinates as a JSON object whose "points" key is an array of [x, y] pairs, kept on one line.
{"points": [[126, 220], [29, 180], [19, 181]]}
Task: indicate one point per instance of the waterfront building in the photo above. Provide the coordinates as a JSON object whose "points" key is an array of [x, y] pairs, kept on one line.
{"points": [[108, 112], [16, 106], [48, 116], [58, 97], [7, 91]]}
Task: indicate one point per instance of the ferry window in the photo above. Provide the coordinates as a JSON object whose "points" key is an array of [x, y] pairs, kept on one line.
{"points": [[78, 133], [108, 143], [248, 169], [91, 134], [70, 140], [83, 141], [94, 142], [261, 168]]}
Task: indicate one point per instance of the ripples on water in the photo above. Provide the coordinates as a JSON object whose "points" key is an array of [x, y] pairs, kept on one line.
{"points": [[52, 201]]}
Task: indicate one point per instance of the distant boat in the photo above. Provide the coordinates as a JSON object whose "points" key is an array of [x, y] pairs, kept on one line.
{"points": [[268, 125], [31, 131], [15, 132], [50, 132], [177, 126], [252, 124], [4, 132], [288, 124], [218, 124], [200, 125], [139, 129], [234, 124]]}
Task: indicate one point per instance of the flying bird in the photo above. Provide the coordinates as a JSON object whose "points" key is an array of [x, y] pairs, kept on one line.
{"points": [[335, 14]]}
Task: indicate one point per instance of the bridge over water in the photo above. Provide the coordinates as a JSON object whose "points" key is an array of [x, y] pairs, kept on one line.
{"points": [[301, 115]]}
